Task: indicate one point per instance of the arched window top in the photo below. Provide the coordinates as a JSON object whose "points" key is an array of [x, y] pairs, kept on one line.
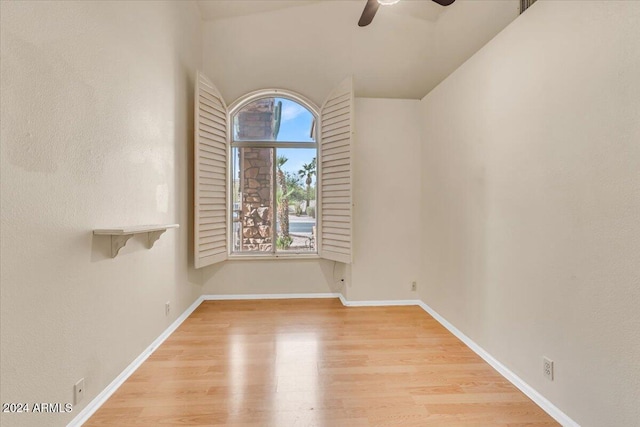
{"points": [[273, 116]]}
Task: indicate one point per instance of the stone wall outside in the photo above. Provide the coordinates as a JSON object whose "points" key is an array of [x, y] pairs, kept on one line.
{"points": [[256, 165]]}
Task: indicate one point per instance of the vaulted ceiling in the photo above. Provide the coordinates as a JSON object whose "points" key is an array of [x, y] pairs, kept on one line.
{"points": [[216, 9], [309, 45]]}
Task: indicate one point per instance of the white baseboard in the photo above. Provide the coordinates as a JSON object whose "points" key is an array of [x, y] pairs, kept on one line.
{"points": [[343, 300], [105, 394], [539, 399], [268, 296], [376, 303]]}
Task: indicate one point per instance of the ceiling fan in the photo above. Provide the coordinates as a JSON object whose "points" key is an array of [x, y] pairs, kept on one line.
{"points": [[372, 6]]}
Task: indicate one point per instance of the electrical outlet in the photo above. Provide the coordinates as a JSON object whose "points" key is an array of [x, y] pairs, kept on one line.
{"points": [[414, 286], [78, 391], [547, 368], [167, 308]]}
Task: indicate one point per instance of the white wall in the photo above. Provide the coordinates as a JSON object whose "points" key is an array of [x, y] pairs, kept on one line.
{"points": [[387, 221], [96, 132], [272, 277], [386, 217], [531, 203]]}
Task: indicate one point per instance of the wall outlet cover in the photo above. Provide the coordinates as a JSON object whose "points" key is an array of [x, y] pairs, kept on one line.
{"points": [[78, 391], [547, 368]]}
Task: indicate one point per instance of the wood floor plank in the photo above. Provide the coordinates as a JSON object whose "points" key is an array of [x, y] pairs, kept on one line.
{"points": [[287, 363]]}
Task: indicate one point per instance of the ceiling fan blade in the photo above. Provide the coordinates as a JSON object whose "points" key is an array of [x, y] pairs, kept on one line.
{"points": [[444, 2], [368, 13]]}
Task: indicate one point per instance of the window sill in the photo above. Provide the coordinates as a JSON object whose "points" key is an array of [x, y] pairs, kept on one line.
{"points": [[271, 257]]}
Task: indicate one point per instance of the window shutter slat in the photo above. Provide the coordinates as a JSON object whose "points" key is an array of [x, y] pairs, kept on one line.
{"points": [[210, 174], [336, 175]]}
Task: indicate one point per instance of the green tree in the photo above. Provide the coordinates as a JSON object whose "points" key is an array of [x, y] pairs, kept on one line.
{"points": [[283, 203], [293, 185], [308, 171]]}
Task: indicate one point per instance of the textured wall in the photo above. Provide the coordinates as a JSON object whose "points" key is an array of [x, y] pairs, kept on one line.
{"points": [[96, 132], [531, 203], [257, 213]]}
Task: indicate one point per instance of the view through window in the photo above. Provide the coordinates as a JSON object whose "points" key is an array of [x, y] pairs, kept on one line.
{"points": [[274, 180]]}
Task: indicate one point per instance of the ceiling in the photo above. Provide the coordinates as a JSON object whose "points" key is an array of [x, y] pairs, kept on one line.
{"points": [[310, 46], [217, 9]]}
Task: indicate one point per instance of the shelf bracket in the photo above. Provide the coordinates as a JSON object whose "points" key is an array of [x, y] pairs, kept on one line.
{"points": [[153, 236], [120, 236], [118, 242]]}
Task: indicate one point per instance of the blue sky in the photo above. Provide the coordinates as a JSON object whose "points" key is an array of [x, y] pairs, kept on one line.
{"points": [[297, 157], [295, 122], [295, 125]]}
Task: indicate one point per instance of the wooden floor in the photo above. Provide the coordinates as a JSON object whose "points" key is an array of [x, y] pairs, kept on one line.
{"points": [[289, 363]]}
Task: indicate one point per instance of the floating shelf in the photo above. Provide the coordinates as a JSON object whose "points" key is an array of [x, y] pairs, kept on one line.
{"points": [[120, 236]]}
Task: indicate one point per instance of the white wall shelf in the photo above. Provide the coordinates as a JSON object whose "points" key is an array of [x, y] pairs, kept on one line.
{"points": [[120, 236]]}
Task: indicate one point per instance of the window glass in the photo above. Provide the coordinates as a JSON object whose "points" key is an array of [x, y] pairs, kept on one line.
{"points": [[274, 119], [252, 171], [274, 185], [296, 200]]}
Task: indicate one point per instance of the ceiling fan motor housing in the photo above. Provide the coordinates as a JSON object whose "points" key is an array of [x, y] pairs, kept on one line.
{"points": [[372, 6]]}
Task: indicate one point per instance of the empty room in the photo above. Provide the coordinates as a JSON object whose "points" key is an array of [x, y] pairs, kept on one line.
{"points": [[320, 213]]}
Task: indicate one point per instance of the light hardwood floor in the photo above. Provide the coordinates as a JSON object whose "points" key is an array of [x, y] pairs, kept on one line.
{"points": [[289, 363]]}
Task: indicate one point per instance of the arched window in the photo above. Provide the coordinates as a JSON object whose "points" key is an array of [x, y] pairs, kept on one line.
{"points": [[273, 164], [273, 175]]}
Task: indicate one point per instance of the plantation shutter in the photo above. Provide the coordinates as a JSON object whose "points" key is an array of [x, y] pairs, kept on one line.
{"points": [[336, 174], [210, 181]]}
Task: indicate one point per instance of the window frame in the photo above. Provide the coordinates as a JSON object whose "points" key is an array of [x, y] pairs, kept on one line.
{"points": [[233, 109]]}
